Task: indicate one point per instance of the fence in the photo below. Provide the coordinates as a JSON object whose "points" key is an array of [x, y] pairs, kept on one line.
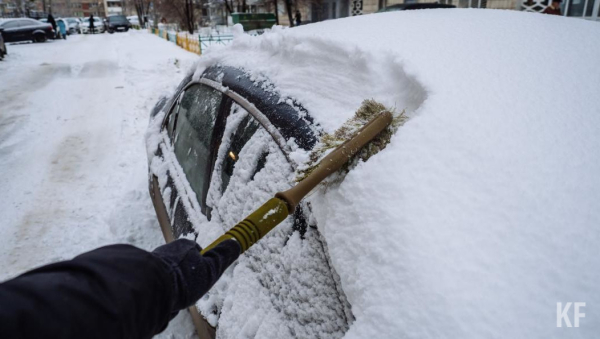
{"points": [[189, 42], [192, 42], [207, 41]]}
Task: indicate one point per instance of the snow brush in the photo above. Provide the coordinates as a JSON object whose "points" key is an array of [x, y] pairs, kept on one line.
{"points": [[378, 125]]}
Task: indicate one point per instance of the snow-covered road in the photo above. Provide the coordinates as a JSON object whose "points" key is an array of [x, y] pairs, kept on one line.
{"points": [[74, 171]]}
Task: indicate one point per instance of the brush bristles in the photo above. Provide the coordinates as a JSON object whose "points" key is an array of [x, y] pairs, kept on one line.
{"points": [[367, 111]]}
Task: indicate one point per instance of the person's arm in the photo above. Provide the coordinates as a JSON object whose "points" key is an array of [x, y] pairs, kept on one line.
{"points": [[117, 291]]}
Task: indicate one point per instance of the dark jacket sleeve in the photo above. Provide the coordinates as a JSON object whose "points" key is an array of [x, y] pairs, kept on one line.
{"points": [[117, 291]]}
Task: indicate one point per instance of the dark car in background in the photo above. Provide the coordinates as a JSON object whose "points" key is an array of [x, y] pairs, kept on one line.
{"points": [[117, 23], [2, 45], [25, 29], [407, 7]]}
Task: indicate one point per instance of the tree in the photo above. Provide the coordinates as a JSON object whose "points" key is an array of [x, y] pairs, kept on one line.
{"points": [[288, 9], [183, 11], [141, 8]]}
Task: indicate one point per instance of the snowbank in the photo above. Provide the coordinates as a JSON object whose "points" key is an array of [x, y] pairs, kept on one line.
{"points": [[482, 213]]}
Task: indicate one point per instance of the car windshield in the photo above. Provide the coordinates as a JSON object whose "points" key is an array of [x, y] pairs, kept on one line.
{"points": [[117, 19]]}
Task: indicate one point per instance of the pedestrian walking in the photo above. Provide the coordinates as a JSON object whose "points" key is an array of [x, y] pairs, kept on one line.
{"points": [[554, 8], [298, 18], [52, 22], [62, 28], [92, 28]]}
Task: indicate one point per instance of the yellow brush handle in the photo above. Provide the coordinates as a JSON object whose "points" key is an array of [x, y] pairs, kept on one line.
{"points": [[255, 226], [265, 218]]}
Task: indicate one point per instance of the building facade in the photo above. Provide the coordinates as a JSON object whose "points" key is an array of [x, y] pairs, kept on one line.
{"points": [[113, 7], [333, 9], [60, 8], [75, 8]]}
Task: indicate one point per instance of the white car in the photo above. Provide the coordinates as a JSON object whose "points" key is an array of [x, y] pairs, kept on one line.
{"points": [[74, 25], [134, 20], [98, 25]]}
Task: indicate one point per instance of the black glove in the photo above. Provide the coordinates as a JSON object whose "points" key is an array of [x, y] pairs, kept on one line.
{"points": [[194, 274]]}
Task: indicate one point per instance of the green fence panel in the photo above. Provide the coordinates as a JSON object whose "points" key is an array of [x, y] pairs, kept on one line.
{"points": [[206, 41], [251, 21]]}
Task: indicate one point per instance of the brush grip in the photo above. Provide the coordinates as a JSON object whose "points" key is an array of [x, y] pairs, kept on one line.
{"points": [[335, 160], [255, 226]]}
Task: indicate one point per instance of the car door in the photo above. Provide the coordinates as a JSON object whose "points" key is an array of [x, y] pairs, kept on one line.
{"points": [[26, 28], [282, 286]]}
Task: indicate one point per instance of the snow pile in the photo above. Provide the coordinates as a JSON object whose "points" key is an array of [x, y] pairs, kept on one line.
{"points": [[482, 213]]}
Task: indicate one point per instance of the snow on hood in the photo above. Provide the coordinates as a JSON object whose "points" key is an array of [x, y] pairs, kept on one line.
{"points": [[482, 213]]}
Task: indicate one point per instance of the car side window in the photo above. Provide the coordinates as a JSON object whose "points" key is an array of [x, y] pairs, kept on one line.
{"points": [[11, 24], [196, 115], [239, 138], [245, 150]]}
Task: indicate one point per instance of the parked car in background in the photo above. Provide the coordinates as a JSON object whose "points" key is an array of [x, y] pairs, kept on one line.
{"points": [[117, 23], [74, 25], [98, 26], [407, 7], [24, 29], [3, 51], [134, 20]]}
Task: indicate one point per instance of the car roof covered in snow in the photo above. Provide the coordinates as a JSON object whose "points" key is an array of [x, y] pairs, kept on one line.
{"points": [[290, 118], [482, 212]]}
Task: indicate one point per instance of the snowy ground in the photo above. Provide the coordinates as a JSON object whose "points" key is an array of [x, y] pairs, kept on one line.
{"points": [[74, 170]]}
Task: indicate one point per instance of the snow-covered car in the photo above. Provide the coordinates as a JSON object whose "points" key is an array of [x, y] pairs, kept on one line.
{"points": [[473, 222], [217, 129], [98, 26]]}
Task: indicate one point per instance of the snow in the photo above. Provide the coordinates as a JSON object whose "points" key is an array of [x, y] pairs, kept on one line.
{"points": [[474, 222], [74, 170], [482, 213]]}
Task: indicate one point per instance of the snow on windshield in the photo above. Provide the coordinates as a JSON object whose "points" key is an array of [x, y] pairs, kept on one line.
{"points": [[482, 213]]}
